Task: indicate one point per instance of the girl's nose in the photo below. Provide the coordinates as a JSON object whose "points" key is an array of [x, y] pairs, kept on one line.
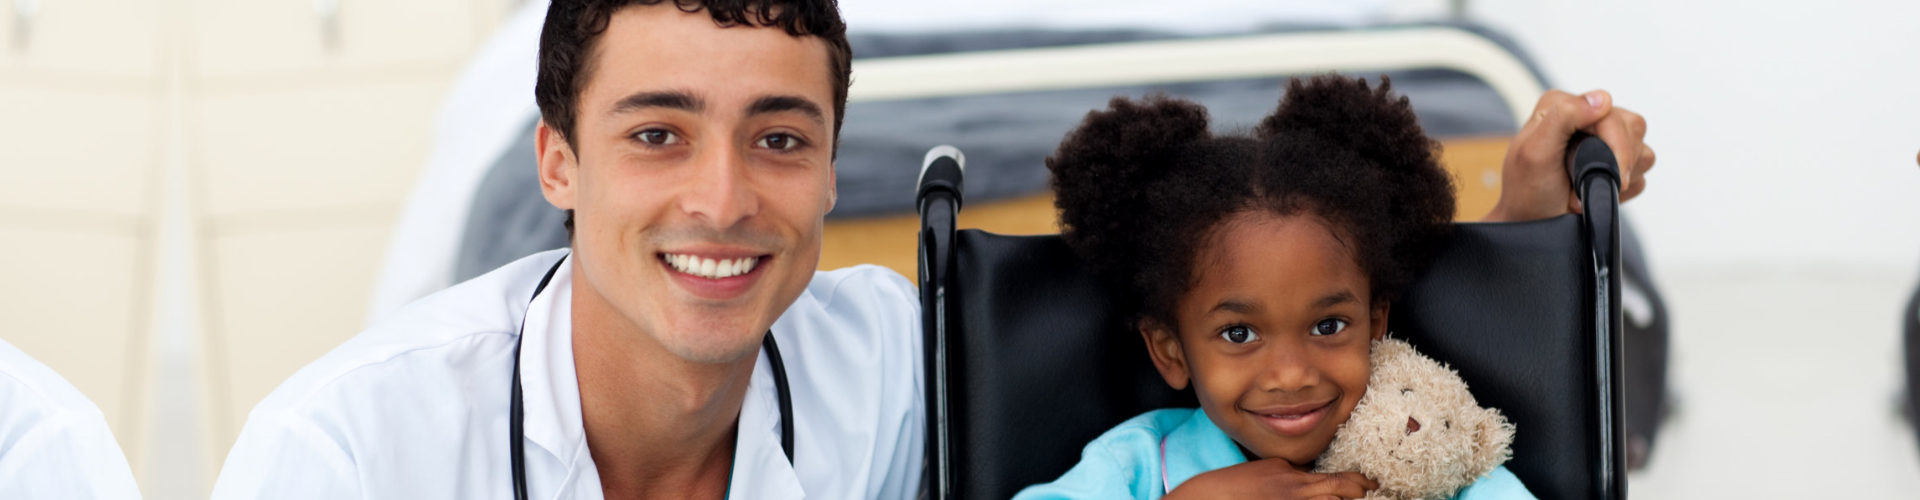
{"points": [[1289, 369]]}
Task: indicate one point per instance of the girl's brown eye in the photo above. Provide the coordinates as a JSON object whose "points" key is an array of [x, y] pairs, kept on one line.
{"points": [[1329, 327], [1239, 334]]}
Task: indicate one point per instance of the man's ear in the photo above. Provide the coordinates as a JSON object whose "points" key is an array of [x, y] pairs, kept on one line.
{"points": [[558, 165], [833, 186], [1163, 345], [1378, 320]]}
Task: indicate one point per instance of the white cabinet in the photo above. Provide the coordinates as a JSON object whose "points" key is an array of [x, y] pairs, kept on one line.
{"points": [[340, 146], [64, 152], [120, 39], [279, 300], [75, 301], [232, 38]]}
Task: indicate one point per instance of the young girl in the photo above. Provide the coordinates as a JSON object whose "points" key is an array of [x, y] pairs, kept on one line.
{"points": [[1263, 267]]}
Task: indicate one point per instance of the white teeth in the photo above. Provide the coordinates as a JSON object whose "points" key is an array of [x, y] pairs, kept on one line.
{"points": [[710, 268]]}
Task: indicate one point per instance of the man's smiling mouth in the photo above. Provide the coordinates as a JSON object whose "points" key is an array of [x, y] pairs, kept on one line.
{"points": [[710, 268]]}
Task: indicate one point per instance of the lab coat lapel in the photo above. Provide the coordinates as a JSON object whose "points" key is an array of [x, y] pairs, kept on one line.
{"points": [[760, 468], [550, 390]]}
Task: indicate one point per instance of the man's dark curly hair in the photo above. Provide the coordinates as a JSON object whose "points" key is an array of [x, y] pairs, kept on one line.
{"points": [[572, 26], [567, 39], [1143, 186]]}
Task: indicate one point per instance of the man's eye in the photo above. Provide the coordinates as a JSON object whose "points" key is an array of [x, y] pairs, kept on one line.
{"points": [[1239, 334], [779, 142], [1329, 327], [657, 137]]}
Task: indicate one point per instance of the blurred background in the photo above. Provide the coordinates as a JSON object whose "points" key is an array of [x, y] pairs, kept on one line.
{"points": [[205, 195]]}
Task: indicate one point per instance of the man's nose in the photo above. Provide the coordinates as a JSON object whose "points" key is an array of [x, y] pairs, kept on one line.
{"points": [[720, 192]]}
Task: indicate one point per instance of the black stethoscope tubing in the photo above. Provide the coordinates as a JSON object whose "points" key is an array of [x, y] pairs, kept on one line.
{"points": [[517, 423]]}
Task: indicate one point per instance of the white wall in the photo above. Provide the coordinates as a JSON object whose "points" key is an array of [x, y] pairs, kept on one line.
{"points": [[1787, 130]]}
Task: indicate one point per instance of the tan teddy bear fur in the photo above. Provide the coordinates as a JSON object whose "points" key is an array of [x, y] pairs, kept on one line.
{"points": [[1417, 431]]}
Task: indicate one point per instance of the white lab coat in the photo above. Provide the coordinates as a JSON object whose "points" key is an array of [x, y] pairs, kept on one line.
{"points": [[54, 443], [416, 407]]}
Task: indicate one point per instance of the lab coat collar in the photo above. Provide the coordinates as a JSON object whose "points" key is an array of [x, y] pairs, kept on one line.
{"points": [[1195, 447], [760, 467], [551, 394], [549, 390]]}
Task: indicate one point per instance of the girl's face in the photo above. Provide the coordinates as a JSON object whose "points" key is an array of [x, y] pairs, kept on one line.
{"points": [[1274, 334]]}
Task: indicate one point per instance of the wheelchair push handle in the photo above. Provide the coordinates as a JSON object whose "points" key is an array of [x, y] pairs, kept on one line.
{"points": [[1587, 155], [942, 171]]}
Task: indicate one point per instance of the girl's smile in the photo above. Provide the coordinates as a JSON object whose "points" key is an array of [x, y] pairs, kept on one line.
{"points": [[1294, 420]]}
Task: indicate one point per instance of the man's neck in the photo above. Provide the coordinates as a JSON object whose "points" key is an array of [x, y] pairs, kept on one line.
{"points": [[658, 426]]}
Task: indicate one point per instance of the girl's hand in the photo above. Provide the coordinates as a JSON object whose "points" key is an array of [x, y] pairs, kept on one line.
{"points": [[1273, 479]]}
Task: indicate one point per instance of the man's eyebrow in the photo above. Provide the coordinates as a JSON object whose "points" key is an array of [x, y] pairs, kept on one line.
{"points": [[670, 99], [1334, 299], [784, 103]]}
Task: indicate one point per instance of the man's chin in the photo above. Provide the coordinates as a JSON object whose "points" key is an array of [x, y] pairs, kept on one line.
{"points": [[715, 349]]}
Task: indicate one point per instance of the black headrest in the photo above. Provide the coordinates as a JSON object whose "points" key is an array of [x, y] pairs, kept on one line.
{"points": [[1041, 361]]}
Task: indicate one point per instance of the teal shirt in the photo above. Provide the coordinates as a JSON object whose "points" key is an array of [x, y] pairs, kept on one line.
{"points": [[1125, 462]]}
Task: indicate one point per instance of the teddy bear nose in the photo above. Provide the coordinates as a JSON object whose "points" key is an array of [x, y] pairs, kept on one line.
{"points": [[1412, 425]]}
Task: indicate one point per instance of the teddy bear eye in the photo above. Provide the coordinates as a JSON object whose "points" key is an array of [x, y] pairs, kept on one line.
{"points": [[1404, 392]]}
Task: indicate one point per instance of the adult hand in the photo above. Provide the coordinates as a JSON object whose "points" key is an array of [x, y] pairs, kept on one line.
{"points": [[1533, 177], [1273, 479]]}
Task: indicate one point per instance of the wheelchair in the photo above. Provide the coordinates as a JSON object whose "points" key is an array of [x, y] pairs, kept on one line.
{"points": [[1028, 358]]}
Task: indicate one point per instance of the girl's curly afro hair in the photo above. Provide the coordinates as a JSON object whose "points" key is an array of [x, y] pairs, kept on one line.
{"points": [[1142, 185]]}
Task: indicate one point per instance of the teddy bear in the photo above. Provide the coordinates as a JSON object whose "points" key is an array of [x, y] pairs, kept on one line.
{"points": [[1417, 431]]}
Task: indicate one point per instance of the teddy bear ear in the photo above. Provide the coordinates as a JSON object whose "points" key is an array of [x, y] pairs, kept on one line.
{"points": [[1494, 444]]}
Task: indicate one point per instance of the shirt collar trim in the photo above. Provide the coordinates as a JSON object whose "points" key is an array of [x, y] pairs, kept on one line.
{"points": [[1197, 446]]}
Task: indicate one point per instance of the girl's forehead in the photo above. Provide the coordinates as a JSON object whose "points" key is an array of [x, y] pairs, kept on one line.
{"points": [[1268, 241], [1277, 257]]}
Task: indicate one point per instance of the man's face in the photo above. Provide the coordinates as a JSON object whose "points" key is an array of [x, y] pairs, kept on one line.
{"points": [[699, 173]]}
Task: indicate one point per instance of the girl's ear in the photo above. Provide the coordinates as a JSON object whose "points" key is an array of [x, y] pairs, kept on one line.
{"points": [[1163, 345], [1378, 321]]}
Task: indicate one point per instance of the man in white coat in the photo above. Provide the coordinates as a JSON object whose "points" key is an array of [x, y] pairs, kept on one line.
{"points": [[684, 336], [694, 143], [54, 443]]}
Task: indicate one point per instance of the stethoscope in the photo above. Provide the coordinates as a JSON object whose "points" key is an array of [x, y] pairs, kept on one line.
{"points": [[517, 423]]}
